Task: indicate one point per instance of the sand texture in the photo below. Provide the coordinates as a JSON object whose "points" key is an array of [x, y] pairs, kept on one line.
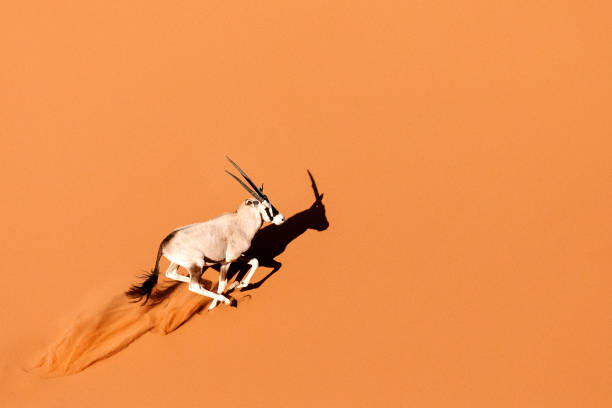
{"points": [[462, 252]]}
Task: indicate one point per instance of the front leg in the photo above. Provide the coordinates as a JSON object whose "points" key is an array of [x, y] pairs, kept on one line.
{"points": [[221, 285], [245, 282]]}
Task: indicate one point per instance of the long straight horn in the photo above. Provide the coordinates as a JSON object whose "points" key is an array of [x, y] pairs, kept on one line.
{"points": [[245, 186], [260, 195]]}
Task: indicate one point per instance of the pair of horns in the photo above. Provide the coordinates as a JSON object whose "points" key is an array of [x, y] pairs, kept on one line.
{"points": [[255, 192]]}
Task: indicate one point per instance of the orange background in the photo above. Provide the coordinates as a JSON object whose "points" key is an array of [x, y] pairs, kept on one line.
{"points": [[463, 148]]}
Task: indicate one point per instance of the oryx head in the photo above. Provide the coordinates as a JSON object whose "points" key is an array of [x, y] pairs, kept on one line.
{"points": [[268, 212]]}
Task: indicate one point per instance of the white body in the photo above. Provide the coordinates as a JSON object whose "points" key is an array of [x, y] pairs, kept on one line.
{"points": [[221, 240]]}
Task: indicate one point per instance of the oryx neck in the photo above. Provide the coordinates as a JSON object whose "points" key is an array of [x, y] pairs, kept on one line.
{"points": [[250, 221]]}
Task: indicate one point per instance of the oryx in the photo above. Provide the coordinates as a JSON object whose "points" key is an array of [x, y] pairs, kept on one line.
{"points": [[219, 241]]}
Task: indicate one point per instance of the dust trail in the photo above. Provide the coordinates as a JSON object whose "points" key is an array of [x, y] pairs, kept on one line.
{"points": [[101, 331]]}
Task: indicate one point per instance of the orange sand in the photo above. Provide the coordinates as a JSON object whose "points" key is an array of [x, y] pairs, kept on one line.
{"points": [[465, 155]]}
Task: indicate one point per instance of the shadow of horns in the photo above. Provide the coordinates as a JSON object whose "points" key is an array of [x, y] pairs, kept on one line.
{"points": [[272, 240]]}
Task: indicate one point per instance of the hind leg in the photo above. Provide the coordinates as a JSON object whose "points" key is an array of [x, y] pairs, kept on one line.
{"points": [[195, 272], [171, 273], [222, 283]]}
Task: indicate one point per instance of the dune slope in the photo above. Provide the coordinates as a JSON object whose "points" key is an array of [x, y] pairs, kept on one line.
{"points": [[464, 154]]}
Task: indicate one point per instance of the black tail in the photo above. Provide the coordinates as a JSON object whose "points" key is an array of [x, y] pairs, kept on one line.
{"points": [[144, 290]]}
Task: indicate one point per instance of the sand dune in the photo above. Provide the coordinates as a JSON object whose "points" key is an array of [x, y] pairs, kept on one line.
{"points": [[462, 257]]}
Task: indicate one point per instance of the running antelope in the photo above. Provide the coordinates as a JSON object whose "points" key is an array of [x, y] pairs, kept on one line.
{"points": [[219, 241]]}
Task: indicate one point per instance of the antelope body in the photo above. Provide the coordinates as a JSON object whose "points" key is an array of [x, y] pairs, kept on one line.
{"points": [[221, 240]]}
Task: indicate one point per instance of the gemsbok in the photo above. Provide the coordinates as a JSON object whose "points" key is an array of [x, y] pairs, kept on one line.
{"points": [[219, 241]]}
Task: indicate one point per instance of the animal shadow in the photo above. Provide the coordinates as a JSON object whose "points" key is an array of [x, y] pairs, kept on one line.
{"points": [[272, 240], [268, 243]]}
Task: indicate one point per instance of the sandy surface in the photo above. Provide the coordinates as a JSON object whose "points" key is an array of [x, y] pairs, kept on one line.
{"points": [[464, 152]]}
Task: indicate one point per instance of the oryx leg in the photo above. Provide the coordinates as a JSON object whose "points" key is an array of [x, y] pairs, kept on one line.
{"points": [[171, 273], [195, 272], [221, 285], [245, 281]]}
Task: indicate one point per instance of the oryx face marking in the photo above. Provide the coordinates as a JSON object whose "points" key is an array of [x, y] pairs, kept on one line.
{"points": [[268, 212]]}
